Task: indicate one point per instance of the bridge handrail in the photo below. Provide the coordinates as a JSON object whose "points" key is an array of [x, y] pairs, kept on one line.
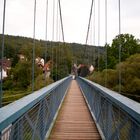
{"points": [[15, 110], [130, 106], [113, 113]]}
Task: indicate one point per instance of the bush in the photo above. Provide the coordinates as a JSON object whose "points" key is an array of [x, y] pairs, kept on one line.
{"points": [[40, 82], [130, 76]]}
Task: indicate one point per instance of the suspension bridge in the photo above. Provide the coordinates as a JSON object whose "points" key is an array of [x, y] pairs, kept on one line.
{"points": [[70, 109]]}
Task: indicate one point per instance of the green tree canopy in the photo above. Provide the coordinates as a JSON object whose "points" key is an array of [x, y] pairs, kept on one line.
{"points": [[129, 46]]}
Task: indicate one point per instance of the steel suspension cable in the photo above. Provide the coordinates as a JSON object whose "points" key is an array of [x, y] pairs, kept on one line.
{"points": [[57, 39], [106, 17], [106, 35], [61, 20], [2, 53], [53, 20], [59, 49], [91, 41], [119, 6], [89, 23], [57, 22], [94, 23], [46, 37], [58, 34], [53, 26], [90, 28], [119, 17], [46, 33], [98, 30], [119, 44], [33, 55], [62, 30], [94, 30]]}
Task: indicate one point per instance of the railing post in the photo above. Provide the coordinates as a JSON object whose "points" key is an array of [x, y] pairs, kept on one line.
{"points": [[99, 108], [109, 121], [134, 132], [21, 129], [12, 134], [42, 120], [18, 131], [47, 115], [0, 136]]}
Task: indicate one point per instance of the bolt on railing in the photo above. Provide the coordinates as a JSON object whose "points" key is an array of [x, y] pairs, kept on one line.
{"points": [[30, 118], [117, 117]]}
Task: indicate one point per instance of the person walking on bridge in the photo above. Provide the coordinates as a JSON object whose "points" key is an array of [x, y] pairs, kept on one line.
{"points": [[74, 71]]}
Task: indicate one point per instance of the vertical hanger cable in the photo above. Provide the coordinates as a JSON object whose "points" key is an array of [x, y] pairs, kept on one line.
{"points": [[2, 53]]}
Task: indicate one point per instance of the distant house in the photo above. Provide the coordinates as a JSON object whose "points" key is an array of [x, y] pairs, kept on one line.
{"points": [[22, 57], [40, 62], [4, 74], [46, 67], [5, 69]]}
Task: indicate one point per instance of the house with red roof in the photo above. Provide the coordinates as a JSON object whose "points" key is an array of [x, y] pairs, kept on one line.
{"points": [[5, 66]]}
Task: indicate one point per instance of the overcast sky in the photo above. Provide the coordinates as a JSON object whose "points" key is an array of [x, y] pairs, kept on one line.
{"points": [[19, 19]]}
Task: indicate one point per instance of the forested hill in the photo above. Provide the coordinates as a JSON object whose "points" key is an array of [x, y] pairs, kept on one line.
{"points": [[63, 56], [15, 45], [18, 81]]}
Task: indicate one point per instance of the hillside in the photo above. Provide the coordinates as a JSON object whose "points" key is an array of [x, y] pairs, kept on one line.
{"points": [[129, 67], [15, 45], [18, 50]]}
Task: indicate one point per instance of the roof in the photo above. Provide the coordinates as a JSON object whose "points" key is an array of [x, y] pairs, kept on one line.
{"points": [[6, 62]]}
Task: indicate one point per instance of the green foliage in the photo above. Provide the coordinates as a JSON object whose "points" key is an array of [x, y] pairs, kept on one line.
{"points": [[12, 95], [130, 71], [18, 84], [129, 46], [130, 76], [62, 57], [40, 81], [99, 77], [85, 54], [22, 74], [8, 84]]}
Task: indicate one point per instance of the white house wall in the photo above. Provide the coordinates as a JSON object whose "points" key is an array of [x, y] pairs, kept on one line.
{"points": [[4, 74]]}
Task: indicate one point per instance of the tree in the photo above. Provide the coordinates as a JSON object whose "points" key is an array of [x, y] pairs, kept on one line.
{"points": [[130, 76], [129, 46], [130, 71], [22, 74], [62, 60]]}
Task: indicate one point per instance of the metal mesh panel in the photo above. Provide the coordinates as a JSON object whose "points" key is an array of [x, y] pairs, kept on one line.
{"points": [[6, 133], [34, 124], [113, 121]]}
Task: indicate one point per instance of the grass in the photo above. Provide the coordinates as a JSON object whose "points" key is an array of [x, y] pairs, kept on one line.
{"points": [[11, 96]]}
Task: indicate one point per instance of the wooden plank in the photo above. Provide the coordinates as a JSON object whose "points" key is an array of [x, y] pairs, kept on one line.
{"points": [[74, 121]]}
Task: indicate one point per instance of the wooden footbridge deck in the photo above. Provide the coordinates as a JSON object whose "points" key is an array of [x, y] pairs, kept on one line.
{"points": [[74, 121]]}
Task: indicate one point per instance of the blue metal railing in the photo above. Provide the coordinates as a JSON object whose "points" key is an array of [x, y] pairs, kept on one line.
{"points": [[117, 117], [30, 117]]}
